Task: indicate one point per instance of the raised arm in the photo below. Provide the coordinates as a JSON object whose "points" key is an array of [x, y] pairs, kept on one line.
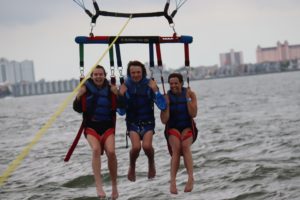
{"points": [[191, 103], [77, 105], [165, 114], [158, 98]]}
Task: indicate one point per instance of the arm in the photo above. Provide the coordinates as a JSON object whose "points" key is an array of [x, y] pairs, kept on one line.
{"points": [[77, 105], [192, 103], [159, 99], [165, 114]]}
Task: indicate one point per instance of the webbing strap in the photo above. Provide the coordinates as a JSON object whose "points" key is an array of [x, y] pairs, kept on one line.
{"points": [[118, 54], [158, 54], [75, 142], [186, 54], [151, 55], [81, 59], [119, 62], [111, 57], [187, 62]]}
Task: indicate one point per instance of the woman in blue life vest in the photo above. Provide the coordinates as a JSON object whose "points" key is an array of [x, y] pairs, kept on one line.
{"points": [[139, 95], [97, 96], [180, 128]]}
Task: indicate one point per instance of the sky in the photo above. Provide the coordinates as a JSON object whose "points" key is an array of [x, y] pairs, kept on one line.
{"points": [[44, 31]]}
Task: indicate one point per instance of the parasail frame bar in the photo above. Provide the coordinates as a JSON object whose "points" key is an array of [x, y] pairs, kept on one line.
{"points": [[133, 39]]}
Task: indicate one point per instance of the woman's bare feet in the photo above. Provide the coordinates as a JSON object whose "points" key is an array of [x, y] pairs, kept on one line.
{"points": [[100, 192], [189, 185], [173, 188]]}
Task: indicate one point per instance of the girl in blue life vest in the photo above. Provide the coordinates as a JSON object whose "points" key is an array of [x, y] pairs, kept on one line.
{"points": [[94, 99], [139, 95], [180, 131]]}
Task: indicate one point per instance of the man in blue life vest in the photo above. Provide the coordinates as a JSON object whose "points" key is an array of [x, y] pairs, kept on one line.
{"points": [[180, 131], [99, 115], [139, 95]]}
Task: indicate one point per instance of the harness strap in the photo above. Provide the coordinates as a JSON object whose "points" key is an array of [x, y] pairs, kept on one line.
{"points": [[119, 62], [75, 142], [158, 54], [151, 59]]}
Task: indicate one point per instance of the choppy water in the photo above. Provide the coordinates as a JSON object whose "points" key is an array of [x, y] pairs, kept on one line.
{"points": [[248, 146]]}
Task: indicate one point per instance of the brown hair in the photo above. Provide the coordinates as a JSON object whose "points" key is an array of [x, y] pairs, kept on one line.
{"points": [[176, 75], [136, 63], [99, 67]]}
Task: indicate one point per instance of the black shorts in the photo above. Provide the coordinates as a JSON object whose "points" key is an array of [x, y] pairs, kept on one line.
{"points": [[99, 126]]}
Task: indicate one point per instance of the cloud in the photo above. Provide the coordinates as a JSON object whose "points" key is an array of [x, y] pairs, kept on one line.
{"points": [[44, 30], [26, 12]]}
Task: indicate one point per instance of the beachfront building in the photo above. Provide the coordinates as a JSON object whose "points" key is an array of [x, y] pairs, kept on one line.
{"points": [[279, 53], [231, 58], [16, 72]]}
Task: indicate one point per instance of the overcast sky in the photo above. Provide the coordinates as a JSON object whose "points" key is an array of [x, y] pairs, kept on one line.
{"points": [[44, 31]]}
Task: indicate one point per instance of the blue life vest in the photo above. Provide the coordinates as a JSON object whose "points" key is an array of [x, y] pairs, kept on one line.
{"points": [[140, 106], [179, 115], [98, 101]]}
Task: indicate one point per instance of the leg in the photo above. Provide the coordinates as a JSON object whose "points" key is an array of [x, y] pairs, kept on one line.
{"points": [[149, 151], [175, 144], [109, 147], [133, 154], [96, 163], [188, 162]]}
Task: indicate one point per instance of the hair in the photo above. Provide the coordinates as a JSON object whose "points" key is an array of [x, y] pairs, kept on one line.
{"points": [[136, 63], [99, 67], [176, 75]]}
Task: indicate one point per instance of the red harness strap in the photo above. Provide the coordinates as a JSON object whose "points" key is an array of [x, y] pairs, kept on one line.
{"points": [[82, 127], [102, 138], [75, 142], [191, 133]]}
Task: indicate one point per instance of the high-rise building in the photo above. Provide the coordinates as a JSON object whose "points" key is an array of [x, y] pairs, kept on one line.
{"points": [[231, 59], [15, 72], [282, 52], [3, 66], [27, 71]]}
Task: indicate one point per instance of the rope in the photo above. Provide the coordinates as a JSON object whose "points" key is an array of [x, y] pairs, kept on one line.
{"points": [[80, 3], [14, 164], [180, 3]]}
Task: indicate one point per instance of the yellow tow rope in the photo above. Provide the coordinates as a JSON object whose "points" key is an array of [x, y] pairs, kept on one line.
{"points": [[14, 164]]}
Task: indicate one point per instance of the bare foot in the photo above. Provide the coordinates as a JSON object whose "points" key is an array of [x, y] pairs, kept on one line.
{"points": [[131, 174], [151, 171], [173, 188], [189, 185], [114, 193], [100, 192]]}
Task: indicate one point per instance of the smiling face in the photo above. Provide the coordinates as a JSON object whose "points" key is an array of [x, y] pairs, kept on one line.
{"points": [[136, 73], [175, 85], [98, 76]]}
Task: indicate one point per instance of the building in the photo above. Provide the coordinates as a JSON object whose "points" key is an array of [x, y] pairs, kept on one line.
{"points": [[231, 59], [282, 52], [15, 72]]}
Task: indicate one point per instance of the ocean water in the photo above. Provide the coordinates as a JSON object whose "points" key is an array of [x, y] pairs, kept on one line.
{"points": [[248, 147]]}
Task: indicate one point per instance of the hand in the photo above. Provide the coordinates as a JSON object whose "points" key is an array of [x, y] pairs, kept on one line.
{"points": [[189, 93], [122, 89], [167, 99], [114, 89], [152, 84], [81, 92]]}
